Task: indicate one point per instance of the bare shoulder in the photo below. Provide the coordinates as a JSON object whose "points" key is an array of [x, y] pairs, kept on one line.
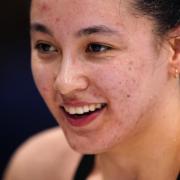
{"points": [[45, 156]]}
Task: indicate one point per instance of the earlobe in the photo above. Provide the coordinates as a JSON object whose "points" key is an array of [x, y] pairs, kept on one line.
{"points": [[174, 69]]}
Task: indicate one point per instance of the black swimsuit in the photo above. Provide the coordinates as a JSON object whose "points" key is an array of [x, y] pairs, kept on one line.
{"points": [[86, 166]]}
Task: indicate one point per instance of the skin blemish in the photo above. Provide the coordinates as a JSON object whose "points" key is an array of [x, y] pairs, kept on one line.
{"points": [[128, 95], [130, 63], [44, 89], [57, 20], [44, 7]]}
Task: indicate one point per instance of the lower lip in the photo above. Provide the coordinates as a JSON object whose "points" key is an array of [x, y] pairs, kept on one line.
{"points": [[83, 121]]}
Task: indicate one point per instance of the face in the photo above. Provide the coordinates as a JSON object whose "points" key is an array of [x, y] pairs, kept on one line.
{"points": [[98, 67]]}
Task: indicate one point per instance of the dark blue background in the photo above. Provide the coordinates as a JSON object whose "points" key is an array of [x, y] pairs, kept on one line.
{"points": [[22, 111]]}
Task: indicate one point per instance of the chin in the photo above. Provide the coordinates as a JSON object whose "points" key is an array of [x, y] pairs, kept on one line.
{"points": [[83, 145], [87, 150], [88, 146]]}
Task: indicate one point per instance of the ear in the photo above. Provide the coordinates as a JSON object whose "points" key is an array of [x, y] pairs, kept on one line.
{"points": [[174, 41]]}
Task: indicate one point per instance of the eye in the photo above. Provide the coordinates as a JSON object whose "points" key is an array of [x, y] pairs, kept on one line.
{"points": [[97, 48], [45, 48]]}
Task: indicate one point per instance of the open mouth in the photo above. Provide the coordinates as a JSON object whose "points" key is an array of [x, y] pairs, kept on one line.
{"points": [[78, 113]]}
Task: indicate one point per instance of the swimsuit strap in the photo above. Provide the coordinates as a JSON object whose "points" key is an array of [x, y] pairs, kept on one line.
{"points": [[85, 167]]}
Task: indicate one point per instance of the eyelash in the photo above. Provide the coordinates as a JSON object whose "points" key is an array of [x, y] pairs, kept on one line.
{"points": [[92, 48], [45, 48], [97, 48]]}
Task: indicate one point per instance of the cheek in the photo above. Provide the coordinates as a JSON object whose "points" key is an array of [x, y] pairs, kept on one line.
{"points": [[123, 94], [125, 88], [118, 82], [43, 79]]}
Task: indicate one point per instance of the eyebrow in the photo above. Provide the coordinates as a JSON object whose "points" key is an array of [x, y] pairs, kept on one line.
{"points": [[98, 29], [37, 27]]}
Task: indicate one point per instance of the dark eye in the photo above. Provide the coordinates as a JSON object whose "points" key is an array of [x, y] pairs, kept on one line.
{"points": [[45, 48], [97, 48]]}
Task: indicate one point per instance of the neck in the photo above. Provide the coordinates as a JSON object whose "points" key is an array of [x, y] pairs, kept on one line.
{"points": [[152, 161], [152, 154]]}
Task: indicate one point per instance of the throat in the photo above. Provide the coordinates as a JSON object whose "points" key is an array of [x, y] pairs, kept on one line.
{"points": [[121, 166]]}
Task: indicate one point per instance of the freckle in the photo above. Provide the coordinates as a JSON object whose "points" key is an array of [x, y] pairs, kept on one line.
{"points": [[95, 94], [57, 19], [130, 62], [44, 7], [128, 95]]}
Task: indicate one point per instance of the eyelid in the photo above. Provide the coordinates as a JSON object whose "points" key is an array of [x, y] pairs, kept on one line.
{"points": [[101, 44], [40, 42], [106, 46]]}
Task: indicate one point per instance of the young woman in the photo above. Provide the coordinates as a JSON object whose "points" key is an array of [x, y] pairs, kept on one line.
{"points": [[109, 73]]}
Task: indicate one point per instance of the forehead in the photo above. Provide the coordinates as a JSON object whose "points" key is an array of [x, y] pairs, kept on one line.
{"points": [[46, 4], [72, 14], [71, 7]]}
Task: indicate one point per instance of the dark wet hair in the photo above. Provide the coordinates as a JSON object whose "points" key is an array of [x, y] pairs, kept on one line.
{"points": [[166, 13]]}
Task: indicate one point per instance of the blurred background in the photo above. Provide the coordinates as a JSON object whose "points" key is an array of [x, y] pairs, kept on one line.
{"points": [[22, 111]]}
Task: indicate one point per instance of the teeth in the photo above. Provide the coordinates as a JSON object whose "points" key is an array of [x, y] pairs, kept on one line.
{"points": [[86, 109], [83, 109], [92, 107], [71, 110], [79, 110], [98, 106]]}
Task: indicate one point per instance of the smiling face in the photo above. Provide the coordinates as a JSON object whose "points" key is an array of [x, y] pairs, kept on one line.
{"points": [[97, 57]]}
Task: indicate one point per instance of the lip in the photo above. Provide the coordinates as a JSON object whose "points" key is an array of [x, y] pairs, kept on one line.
{"points": [[82, 120]]}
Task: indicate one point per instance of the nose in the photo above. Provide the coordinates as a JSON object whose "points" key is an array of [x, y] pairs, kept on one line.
{"points": [[70, 77]]}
